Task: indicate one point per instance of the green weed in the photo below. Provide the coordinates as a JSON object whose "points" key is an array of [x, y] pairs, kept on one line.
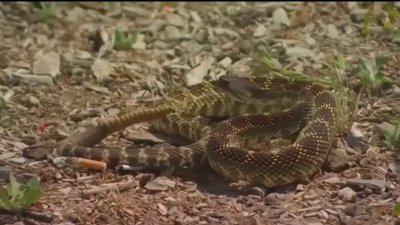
{"points": [[47, 10], [386, 12], [123, 41], [370, 74], [19, 197], [397, 209], [392, 137]]}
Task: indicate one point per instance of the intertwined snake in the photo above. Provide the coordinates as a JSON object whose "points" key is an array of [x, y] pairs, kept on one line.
{"points": [[257, 108]]}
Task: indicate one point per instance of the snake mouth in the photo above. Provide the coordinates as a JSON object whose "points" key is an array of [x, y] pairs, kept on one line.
{"points": [[241, 88]]}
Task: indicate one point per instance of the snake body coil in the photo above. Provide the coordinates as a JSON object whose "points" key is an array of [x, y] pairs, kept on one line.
{"points": [[257, 109]]}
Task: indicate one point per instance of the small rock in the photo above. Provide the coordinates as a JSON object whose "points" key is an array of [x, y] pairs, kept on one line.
{"points": [[299, 52], [383, 128], [350, 210], [260, 31], [195, 16], [4, 173], [160, 184], [65, 191], [154, 186], [370, 183], [358, 15], [386, 195], [348, 29], [280, 17], [75, 14], [227, 61], [165, 181], [352, 5], [101, 69], [347, 194], [395, 167], [172, 33], [274, 198], [19, 160], [221, 30], [332, 31], [140, 42], [310, 41], [46, 64], [176, 20], [33, 100], [333, 180], [136, 11], [6, 155], [162, 209], [37, 153]]}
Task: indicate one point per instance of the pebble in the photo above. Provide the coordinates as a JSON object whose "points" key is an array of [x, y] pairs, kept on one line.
{"points": [[347, 194], [358, 15], [333, 180], [260, 31], [299, 52], [332, 31], [19, 160], [7, 155], [350, 210], [375, 184], [176, 20], [383, 128], [386, 195], [280, 17], [172, 33]]}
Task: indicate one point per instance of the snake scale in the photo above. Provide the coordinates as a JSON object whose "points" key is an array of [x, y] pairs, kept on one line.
{"points": [[254, 109]]}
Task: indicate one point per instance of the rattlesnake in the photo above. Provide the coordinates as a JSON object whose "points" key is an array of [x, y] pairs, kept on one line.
{"points": [[245, 102]]}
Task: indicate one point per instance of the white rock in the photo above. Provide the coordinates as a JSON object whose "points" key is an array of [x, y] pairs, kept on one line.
{"points": [[260, 31], [299, 52], [176, 20], [280, 17], [332, 31]]}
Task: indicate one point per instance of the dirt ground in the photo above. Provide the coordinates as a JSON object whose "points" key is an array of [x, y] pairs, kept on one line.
{"points": [[58, 74]]}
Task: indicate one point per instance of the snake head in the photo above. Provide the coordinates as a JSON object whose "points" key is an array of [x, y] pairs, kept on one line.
{"points": [[241, 87]]}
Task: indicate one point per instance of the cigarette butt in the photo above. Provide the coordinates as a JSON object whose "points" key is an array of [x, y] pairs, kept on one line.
{"points": [[92, 164]]}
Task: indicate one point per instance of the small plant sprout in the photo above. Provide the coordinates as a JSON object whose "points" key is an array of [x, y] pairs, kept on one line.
{"points": [[123, 41], [47, 10], [17, 196], [370, 74], [393, 136], [397, 209]]}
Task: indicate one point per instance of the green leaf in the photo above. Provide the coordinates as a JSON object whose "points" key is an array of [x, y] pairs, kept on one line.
{"points": [[381, 60], [14, 189], [4, 199], [123, 42], [397, 209], [32, 193]]}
